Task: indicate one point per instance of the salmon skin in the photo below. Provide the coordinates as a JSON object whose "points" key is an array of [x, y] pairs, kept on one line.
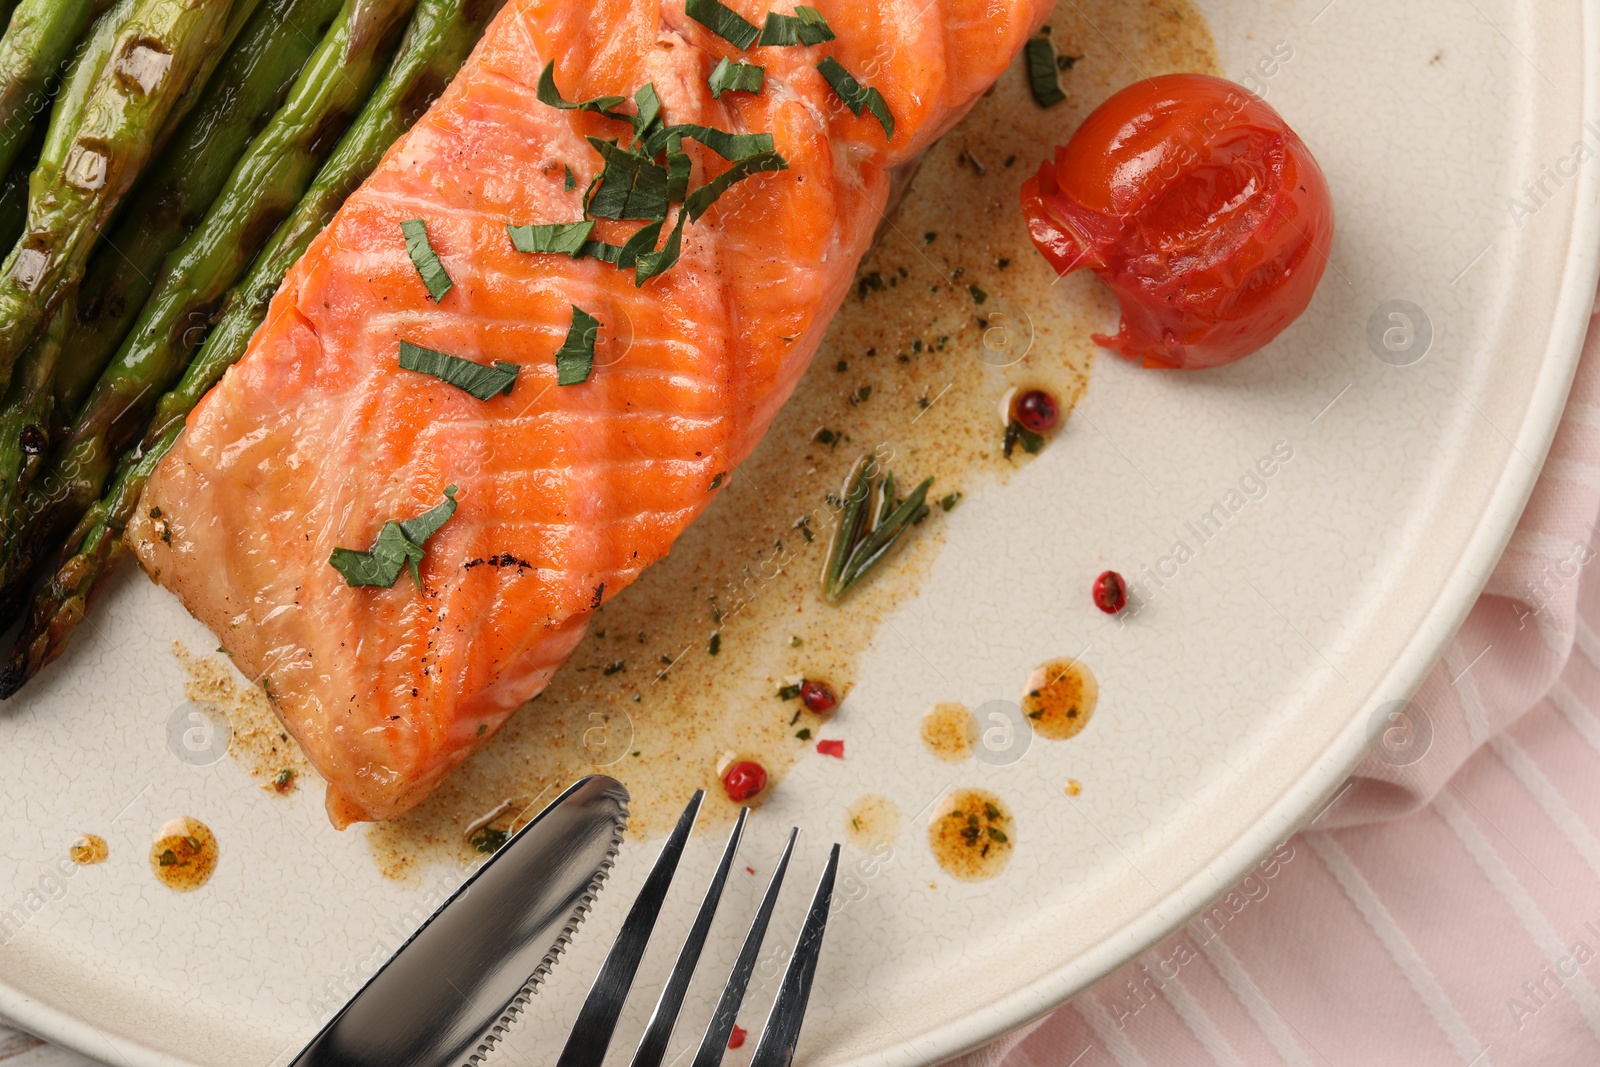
{"points": [[316, 438]]}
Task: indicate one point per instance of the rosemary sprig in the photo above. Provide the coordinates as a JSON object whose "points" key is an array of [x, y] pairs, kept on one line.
{"points": [[871, 523]]}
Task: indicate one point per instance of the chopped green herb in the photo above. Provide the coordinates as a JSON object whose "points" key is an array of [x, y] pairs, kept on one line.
{"points": [[990, 810], [483, 382], [806, 26], [715, 645], [679, 169], [399, 545], [730, 146], [723, 21], [566, 238], [155, 513], [872, 520], [168, 858], [606, 253], [731, 77], [978, 295], [575, 357], [950, 500], [632, 185], [716, 483], [614, 667], [648, 104], [998, 834], [572, 180], [856, 96], [1042, 80], [487, 839], [1016, 434], [284, 779], [825, 436], [425, 259], [699, 202], [803, 734], [652, 263], [551, 97], [482, 729], [644, 240], [788, 692]]}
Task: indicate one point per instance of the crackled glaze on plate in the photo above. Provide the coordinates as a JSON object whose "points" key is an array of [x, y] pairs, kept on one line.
{"points": [[1233, 702]]}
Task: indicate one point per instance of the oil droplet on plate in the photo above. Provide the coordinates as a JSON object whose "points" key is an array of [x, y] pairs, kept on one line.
{"points": [[89, 850], [183, 854], [972, 834], [1074, 787], [949, 732], [872, 822], [1060, 699]]}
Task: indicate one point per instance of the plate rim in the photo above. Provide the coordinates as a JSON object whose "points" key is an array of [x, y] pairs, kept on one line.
{"points": [[1576, 306], [1285, 816]]}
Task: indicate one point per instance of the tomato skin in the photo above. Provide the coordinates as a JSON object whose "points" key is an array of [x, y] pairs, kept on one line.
{"points": [[1199, 207]]}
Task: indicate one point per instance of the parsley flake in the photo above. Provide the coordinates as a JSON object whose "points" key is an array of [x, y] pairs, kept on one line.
{"points": [[483, 382], [731, 77], [425, 259], [653, 263], [806, 26], [678, 169], [399, 545], [575, 358], [557, 237], [699, 202], [856, 96], [723, 21], [632, 185], [648, 104], [730, 146], [572, 181], [550, 96], [1042, 80]]}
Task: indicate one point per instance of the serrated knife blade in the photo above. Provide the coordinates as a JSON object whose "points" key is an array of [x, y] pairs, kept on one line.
{"points": [[450, 993]]}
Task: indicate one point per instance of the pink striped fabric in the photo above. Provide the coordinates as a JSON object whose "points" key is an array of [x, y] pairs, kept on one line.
{"points": [[1444, 913]]}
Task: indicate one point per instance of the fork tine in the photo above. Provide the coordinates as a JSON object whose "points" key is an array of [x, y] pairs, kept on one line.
{"points": [[715, 1042], [782, 1032], [597, 1019], [653, 1046]]}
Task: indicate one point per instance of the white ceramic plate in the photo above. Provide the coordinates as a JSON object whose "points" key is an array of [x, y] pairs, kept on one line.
{"points": [[1235, 703]]}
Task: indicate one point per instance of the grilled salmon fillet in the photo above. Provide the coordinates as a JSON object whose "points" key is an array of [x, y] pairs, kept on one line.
{"points": [[566, 493]]}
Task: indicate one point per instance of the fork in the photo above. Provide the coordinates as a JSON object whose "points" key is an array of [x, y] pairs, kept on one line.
{"points": [[597, 1020]]}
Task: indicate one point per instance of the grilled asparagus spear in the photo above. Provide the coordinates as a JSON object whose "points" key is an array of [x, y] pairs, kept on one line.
{"points": [[27, 405], [14, 194], [37, 46], [173, 197], [263, 189], [441, 37], [94, 151]]}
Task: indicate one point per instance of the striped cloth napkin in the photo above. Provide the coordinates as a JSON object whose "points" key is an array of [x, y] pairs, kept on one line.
{"points": [[1446, 912], [1441, 913]]}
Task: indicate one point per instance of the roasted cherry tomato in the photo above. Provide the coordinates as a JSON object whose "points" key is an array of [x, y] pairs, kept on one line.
{"points": [[1200, 208]]}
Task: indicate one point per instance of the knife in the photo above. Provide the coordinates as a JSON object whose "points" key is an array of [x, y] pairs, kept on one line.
{"points": [[454, 989]]}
